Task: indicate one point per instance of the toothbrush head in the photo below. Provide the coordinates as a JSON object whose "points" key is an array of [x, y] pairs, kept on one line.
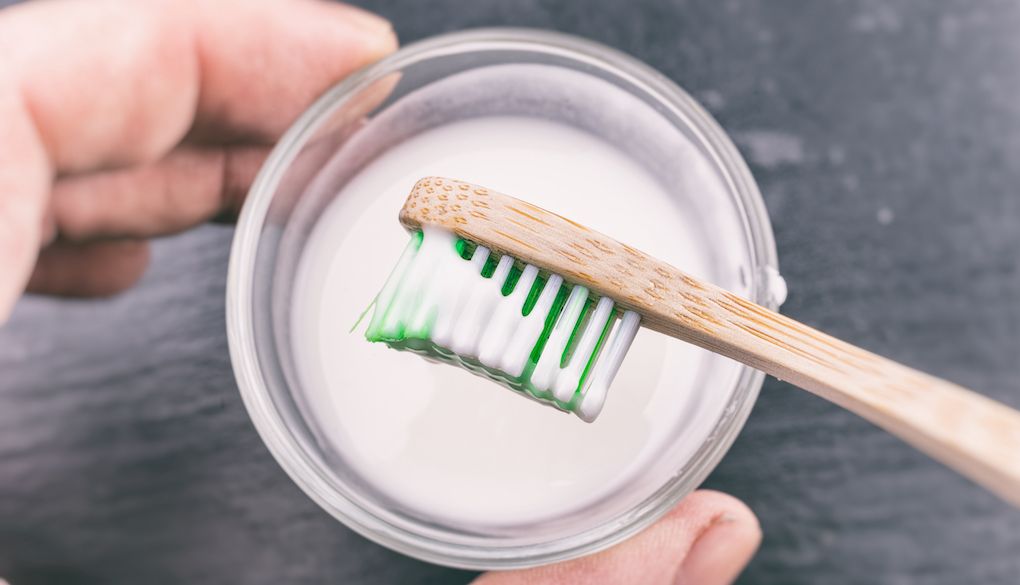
{"points": [[457, 298]]}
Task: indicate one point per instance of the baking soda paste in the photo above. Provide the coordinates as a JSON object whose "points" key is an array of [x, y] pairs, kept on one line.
{"points": [[442, 443]]}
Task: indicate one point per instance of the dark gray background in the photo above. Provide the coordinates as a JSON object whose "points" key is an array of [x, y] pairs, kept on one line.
{"points": [[886, 139]]}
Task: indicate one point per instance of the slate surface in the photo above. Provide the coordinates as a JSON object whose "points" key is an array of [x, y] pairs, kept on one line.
{"points": [[886, 139]]}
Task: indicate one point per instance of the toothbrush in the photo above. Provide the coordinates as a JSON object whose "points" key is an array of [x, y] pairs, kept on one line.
{"points": [[548, 308]]}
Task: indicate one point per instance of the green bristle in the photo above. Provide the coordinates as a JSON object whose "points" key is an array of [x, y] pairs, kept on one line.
{"points": [[572, 341], [550, 320], [511, 280], [490, 266], [536, 291]]}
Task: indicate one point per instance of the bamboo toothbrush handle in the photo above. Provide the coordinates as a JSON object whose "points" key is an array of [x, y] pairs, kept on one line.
{"points": [[974, 435]]}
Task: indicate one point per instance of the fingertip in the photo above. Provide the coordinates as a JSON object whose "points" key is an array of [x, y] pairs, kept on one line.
{"points": [[95, 269], [365, 37], [726, 544], [133, 263], [381, 45], [355, 36], [717, 503], [707, 539], [383, 38]]}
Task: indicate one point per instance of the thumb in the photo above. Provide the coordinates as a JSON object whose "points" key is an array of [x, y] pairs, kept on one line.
{"points": [[707, 539]]}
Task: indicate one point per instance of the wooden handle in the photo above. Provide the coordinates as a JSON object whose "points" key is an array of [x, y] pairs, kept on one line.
{"points": [[977, 436]]}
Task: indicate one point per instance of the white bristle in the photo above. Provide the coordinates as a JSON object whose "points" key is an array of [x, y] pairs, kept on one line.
{"points": [[549, 364], [434, 295], [502, 271], [505, 321], [569, 377], [402, 304], [518, 350], [445, 320], [471, 323], [593, 397], [385, 297]]}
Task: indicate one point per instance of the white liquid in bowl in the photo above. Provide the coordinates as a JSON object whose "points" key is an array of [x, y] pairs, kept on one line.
{"points": [[447, 445]]}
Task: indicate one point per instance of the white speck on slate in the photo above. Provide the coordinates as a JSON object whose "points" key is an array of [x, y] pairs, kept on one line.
{"points": [[885, 216]]}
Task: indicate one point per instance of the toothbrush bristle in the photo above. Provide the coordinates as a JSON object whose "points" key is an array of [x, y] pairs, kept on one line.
{"points": [[455, 301]]}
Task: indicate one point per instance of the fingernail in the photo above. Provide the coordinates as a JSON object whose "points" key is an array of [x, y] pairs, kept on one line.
{"points": [[375, 32], [367, 21], [721, 552]]}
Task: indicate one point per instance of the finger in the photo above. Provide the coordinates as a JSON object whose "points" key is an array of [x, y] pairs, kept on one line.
{"points": [[720, 554], [191, 185], [89, 270], [706, 540], [120, 82], [251, 90], [24, 183]]}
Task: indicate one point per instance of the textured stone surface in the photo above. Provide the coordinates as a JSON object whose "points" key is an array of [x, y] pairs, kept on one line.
{"points": [[886, 139]]}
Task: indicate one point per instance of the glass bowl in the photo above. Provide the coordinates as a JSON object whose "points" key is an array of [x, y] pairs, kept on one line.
{"points": [[425, 85]]}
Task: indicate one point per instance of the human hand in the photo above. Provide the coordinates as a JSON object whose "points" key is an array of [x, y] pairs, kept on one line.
{"points": [[122, 121], [707, 539]]}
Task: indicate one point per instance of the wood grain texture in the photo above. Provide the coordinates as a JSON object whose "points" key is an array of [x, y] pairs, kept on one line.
{"points": [[126, 456], [978, 437]]}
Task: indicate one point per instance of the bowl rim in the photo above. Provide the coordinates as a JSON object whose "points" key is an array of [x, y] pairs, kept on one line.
{"points": [[240, 325]]}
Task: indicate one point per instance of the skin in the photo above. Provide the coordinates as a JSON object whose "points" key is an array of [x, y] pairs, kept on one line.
{"points": [[126, 120]]}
